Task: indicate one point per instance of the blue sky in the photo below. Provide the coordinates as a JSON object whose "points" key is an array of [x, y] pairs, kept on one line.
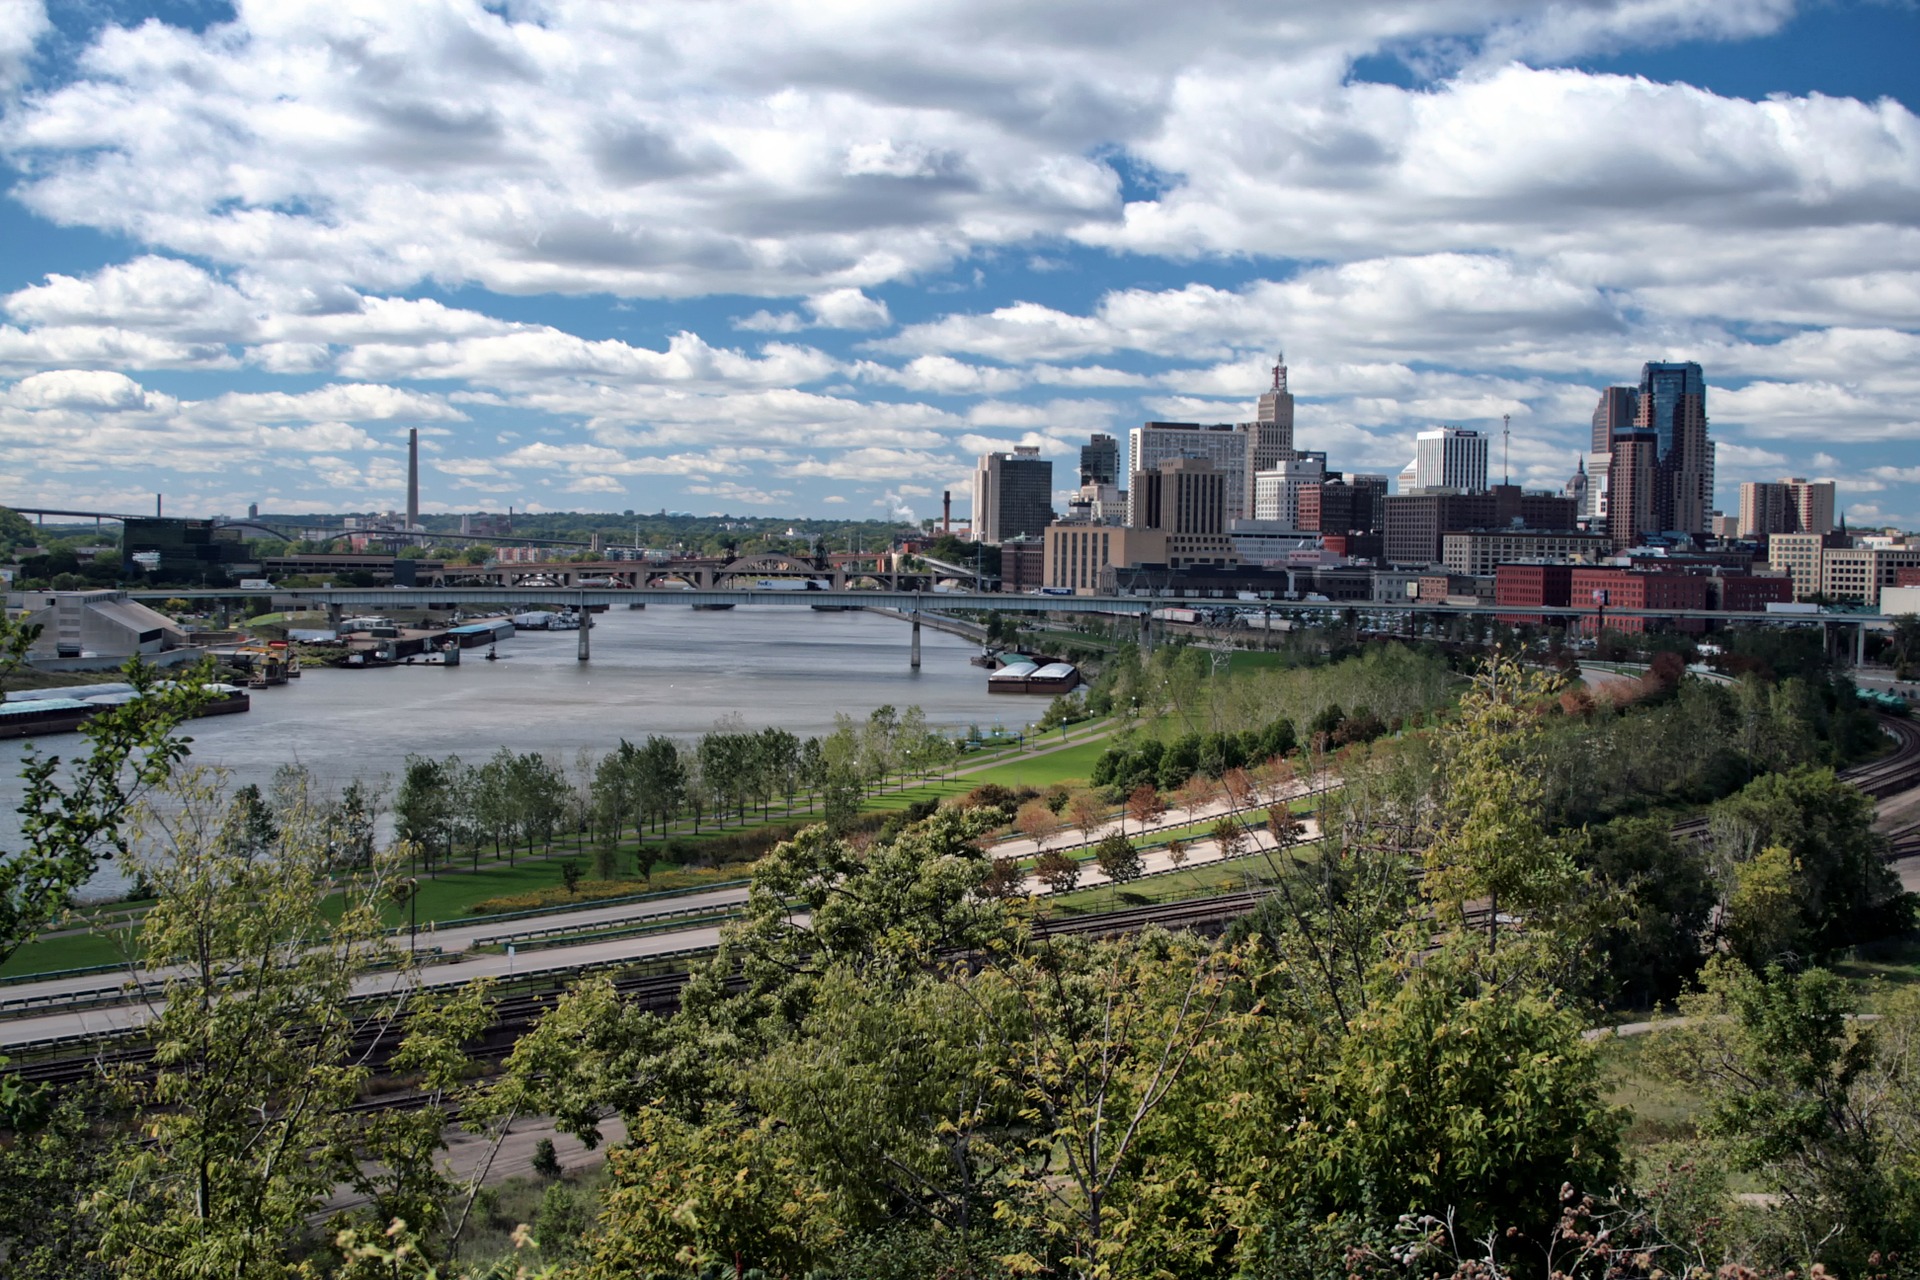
{"points": [[781, 257]]}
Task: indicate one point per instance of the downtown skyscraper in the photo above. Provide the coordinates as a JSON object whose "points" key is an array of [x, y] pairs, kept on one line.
{"points": [[1667, 453]]}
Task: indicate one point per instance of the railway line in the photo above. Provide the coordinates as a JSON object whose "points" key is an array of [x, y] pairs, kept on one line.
{"points": [[522, 1006]]}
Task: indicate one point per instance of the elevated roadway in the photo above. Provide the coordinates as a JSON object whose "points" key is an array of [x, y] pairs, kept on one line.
{"points": [[917, 601]]}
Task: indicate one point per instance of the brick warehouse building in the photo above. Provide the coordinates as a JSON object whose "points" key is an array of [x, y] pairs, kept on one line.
{"points": [[1626, 589]]}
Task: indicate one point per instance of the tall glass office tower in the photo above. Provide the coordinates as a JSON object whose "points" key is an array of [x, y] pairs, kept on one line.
{"points": [[1673, 406]]}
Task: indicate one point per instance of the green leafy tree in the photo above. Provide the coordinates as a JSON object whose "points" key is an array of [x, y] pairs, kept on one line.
{"points": [[1846, 891], [1118, 859], [1659, 894], [1490, 846], [243, 1113], [1823, 1108], [423, 808], [73, 812]]}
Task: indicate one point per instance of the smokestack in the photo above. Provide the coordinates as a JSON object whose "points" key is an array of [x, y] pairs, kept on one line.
{"points": [[946, 511], [156, 507], [413, 476]]}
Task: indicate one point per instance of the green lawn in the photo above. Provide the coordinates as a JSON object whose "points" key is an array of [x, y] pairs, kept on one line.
{"points": [[1074, 764], [1661, 1110], [1245, 660], [47, 955]]}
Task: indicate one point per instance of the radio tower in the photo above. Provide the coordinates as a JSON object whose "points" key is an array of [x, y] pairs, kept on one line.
{"points": [[1506, 445]]}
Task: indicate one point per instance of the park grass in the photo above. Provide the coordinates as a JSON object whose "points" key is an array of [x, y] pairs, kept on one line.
{"points": [[1074, 764], [62, 952], [1659, 1109], [1204, 880], [1877, 968], [1245, 660]]}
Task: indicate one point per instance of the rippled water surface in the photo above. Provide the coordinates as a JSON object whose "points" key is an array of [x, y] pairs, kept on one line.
{"points": [[665, 669]]}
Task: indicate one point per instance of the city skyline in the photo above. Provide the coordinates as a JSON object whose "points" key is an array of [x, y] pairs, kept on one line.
{"points": [[822, 275]]}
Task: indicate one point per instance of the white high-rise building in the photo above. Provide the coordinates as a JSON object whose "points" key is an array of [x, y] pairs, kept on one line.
{"points": [[1598, 467], [1226, 445], [1447, 458], [1276, 492]]}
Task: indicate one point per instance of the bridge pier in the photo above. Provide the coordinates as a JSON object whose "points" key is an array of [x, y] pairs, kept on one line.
{"points": [[334, 618], [913, 659], [586, 630], [1146, 630], [1859, 645]]}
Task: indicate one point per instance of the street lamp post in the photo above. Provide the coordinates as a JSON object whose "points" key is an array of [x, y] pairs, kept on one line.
{"points": [[410, 888]]}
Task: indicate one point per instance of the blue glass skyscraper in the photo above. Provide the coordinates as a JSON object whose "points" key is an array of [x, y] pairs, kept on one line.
{"points": [[1673, 405]]}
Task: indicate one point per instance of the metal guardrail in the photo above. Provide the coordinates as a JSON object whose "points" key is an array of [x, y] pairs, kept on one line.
{"points": [[596, 926], [130, 990], [562, 908]]}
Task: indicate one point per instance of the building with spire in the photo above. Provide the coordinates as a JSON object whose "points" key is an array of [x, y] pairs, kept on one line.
{"points": [[1576, 486], [1270, 434]]}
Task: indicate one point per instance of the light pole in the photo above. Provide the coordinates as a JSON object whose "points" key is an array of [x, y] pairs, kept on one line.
{"points": [[409, 888]]}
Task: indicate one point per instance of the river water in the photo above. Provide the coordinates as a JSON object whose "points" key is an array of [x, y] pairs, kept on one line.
{"points": [[666, 669]]}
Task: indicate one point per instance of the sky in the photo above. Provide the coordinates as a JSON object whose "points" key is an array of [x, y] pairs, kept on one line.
{"points": [[811, 257]]}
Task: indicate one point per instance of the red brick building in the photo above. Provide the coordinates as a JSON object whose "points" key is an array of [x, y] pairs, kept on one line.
{"points": [[1746, 593], [1531, 584], [1625, 589]]}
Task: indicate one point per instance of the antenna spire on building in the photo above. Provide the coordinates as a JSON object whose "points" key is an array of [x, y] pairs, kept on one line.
{"points": [[1506, 448], [1280, 371]]}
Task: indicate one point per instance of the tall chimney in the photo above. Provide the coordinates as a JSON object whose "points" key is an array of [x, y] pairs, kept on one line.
{"points": [[413, 476], [946, 511], [156, 507]]}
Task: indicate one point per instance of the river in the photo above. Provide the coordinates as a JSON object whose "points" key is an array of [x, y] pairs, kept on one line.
{"points": [[666, 669]]}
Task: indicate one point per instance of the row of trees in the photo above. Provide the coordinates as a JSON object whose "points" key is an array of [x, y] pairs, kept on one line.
{"points": [[528, 800]]}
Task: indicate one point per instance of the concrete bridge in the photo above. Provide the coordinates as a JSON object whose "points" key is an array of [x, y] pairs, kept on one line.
{"points": [[912, 603], [842, 571]]}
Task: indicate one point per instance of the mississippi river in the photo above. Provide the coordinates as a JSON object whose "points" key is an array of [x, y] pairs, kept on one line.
{"points": [[666, 669]]}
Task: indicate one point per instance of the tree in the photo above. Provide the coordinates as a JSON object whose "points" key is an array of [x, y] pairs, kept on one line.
{"points": [[73, 813], [1229, 837], [1058, 871], [244, 1112], [1822, 1108], [1108, 1035], [1490, 845], [1765, 923], [423, 807], [1283, 825], [1456, 1097], [1037, 823], [1087, 812], [1844, 888], [1116, 856], [1659, 897], [1145, 806], [1005, 879]]}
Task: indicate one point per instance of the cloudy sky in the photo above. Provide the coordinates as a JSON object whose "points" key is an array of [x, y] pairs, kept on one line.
{"points": [[810, 256]]}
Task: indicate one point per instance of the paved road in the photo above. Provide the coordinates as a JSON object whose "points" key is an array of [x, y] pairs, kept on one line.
{"points": [[62, 1024], [82, 1022]]}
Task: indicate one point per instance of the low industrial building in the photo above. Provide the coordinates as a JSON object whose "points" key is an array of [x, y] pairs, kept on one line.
{"points": [[1053, 678], [105, 624]]}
